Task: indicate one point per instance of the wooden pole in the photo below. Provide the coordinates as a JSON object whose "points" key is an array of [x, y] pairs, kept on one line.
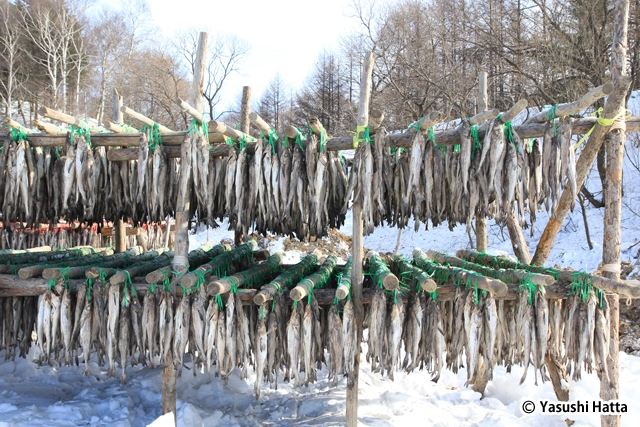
{"points": [[180, 262], [186, 108], [575, 107], [64, 118], [144, 119], [481, 220], [120, 232], [48, 128], [613, 209], [357, 251], [245, 121], [245, 109]]}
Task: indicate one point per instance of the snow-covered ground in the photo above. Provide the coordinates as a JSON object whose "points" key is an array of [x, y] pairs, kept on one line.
{"points": [[32, 396]]}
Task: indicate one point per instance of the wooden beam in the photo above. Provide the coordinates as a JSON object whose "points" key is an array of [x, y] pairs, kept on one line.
{"points": [[358, 253], [228, 131], [186, 108], [484, 116], [398, 140], [512, 112], [316, 126], [259, 123], [575, 107], [144, 119], [65, 118], [8, 121], [49, 128], [292, 132], [116, 128]]}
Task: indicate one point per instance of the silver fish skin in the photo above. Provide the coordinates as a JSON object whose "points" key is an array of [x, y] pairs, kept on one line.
{"points": [[542, 330], [510, 180], [85, 337], [182, 319], [591, 324], [307, 345], [66, 326], [293, 345], [413, 185], [490, 332], [40, 325], [349, 336], [198, 313], [568, 156], [602, 341], [230, 339], [81, 300], [124, 337], [113, 323], [495, 154], [261, 355], [473, 340], [221, 335], [272, 349], [527, 338], [465, 154], [136, 328], [211, 326], [335, 344], [56, 302], [394, 334], [415, 318], [143, 161], [149, 330]]}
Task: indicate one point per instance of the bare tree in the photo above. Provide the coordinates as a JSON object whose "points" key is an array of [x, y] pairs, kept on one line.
{"points": [[274, 103], [10, 53], [224, 57]]}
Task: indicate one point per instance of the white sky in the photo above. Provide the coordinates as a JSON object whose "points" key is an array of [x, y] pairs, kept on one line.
{"points": [[285, 36]]}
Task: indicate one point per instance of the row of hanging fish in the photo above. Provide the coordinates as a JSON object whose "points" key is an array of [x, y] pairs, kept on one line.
{"points": [[492, 178], [58, 238], [67, 237], [287, 189]]}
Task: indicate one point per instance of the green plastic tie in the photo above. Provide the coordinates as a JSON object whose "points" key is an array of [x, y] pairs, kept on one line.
{"points": [[89, 283], [551, 115], [18, 135], [508, 134]]}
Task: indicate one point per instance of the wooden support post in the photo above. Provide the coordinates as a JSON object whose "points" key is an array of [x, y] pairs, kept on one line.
{"points": [[245, 109], [481, 221], [357, 251], [518, 242], [180, 262], [120, 232], [614, 147], [8, 121], [245, 121]]}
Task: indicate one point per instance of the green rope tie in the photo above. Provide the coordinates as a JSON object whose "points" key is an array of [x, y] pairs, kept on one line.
{"points": [[508, 134], [201, 279], [416, 126], [52, 283], [64, 276], [476, 140], [155, 137], [299, 138], [18, 135], [78, 131], [551, 115], [219, 302], [527, 284], [323, 140]]}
